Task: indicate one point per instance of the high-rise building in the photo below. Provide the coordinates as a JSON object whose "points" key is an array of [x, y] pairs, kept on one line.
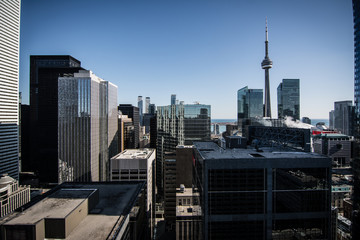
{"points": [[267, 64], [152, 109], [44, 73], [126, 133], [141, 108], [289, 99], [356, 13], [9, 87], [250, 103], [356, 159], [344, 117], [179, 124], [147, 104], [173, 99], [88, 127], [133, 113], [267, 194]]}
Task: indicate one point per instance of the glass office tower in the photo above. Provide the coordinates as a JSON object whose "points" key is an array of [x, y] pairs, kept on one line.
{"points": [[43, 140], [250, 103], [179, 124], [9, 87], [289, 99], [87, 132]]}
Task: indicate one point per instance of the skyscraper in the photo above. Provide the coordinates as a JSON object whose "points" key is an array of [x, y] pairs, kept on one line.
{"points": [[147, 103], [140, 106], [343, 117], [289, 99], [9, 87], [179, 124], [133, 113], [88, 122], [173, 99], [356, 13], [44, 73], [267, 64], [250, 103]]}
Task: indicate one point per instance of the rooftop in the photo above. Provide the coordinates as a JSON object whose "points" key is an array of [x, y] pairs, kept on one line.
{"points": [[210, 150], [115, 202], [142, 153], [185, 211]]}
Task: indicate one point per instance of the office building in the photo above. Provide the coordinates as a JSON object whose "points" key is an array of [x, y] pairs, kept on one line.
{"points": [[188, 214], [9, 87], [43, 141], [179, 124], [133, 113], [170, 192], [137, 165], [266, 64], [147, 104], [152, 108], [12, 196], [140, 106], [173, 99], [126, 133], [88, 127], [267, 194], [289, 99], [250, 103], [83, 211], [343, 117], [336, 146], [356, 160]]}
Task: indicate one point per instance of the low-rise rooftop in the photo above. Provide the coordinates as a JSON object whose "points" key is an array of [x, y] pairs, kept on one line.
{"points": [[210, 150], [142, 153]]}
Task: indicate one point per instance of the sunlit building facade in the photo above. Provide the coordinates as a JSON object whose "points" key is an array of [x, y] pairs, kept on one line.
{"points": [[88, 126], [9, 87]]}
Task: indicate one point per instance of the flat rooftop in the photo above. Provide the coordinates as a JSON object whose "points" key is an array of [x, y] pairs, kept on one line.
{"points": [[57, 205], [210, 150], [142, 153], [187, 211], [115, 202]]}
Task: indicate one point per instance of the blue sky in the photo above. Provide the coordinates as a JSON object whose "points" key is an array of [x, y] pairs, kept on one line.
{"points": [[200, 50]]}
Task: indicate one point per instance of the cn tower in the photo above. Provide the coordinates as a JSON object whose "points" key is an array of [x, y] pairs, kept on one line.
{"points": [[267, 64]]}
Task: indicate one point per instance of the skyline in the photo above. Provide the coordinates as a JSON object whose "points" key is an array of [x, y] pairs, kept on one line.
{"points": [[200, 51]]}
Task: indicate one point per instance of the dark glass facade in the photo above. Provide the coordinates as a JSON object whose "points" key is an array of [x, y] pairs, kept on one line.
{"points": [[245, 194], [289, 99], [356, 12], [43, 140], [133, 113], [250, 103]]}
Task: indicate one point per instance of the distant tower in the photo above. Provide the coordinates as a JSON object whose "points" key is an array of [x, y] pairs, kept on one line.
{"points": [[173, 99], [267, 64], [147, 103], [140, 106]]}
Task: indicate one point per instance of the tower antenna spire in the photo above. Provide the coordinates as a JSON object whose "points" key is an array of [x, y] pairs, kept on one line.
{"points": [[266, 64]]}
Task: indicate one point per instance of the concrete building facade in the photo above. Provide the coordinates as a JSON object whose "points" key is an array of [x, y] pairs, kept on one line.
{"points": [[12, 196], [137, 165]]}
